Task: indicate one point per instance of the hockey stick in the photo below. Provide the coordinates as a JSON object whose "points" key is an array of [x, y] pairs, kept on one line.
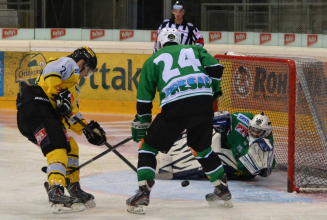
{"points": [[106, 143], [44, 169]]}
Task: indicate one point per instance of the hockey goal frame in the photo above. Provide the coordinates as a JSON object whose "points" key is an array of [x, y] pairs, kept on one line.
{"points": [[291, 111]]}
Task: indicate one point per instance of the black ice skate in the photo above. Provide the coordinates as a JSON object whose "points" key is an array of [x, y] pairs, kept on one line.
{"points": [[136, 204], [59, 202], [221, 193], [76, 191]]}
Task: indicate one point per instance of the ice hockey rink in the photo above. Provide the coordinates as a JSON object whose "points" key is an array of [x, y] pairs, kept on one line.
{"points": [[111, 181]]}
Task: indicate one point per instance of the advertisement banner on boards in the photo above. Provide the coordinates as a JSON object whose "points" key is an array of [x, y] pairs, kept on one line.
{"points": [[116, 76]]}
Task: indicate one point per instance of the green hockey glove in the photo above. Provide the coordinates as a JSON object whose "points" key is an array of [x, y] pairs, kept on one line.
{"points": [[139, 129]]}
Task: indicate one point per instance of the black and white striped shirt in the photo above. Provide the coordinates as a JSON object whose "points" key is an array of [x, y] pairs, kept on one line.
{"points": [[189, 33]]}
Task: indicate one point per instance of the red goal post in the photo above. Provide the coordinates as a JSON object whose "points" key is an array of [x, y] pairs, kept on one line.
{"points": [[272, 86]]}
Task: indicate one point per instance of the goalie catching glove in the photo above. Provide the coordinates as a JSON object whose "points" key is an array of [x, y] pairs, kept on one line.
{"points": [[140, 127], [259, 158], [98, 136], [63, 104]]}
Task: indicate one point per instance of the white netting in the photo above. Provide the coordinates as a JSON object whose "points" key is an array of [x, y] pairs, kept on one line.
{"points": [[263, 85]]}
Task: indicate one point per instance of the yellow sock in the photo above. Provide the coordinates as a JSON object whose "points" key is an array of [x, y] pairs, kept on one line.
{"points": [[73, 161], [57, 163]]}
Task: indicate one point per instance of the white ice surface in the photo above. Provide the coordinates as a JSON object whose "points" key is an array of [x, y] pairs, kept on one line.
{"points": [[112, 182]]}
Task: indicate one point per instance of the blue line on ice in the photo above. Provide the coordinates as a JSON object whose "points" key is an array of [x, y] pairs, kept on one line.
{"points": [[125, 183]]}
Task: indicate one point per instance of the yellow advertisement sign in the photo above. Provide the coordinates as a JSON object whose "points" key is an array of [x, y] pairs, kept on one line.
{"points": [[115, 79]]}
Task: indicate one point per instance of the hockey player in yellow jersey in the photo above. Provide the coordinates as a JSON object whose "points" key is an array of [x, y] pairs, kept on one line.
{"points": [[45, 111]]}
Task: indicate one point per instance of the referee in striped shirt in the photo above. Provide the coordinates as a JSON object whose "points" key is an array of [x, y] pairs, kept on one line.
{"points": [[189, 33]]}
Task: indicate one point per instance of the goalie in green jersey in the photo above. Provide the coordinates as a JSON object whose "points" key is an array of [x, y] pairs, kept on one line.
{"points": [[188, 81], [243, 142]]}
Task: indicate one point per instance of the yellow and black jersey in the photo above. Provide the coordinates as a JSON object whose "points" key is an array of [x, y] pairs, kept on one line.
{"points": [[58, 75]]}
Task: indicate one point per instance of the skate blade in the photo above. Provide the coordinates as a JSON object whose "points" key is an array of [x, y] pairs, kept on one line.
{"points": [[90, 204], [60, 208], [221, 203], [140, 210]]}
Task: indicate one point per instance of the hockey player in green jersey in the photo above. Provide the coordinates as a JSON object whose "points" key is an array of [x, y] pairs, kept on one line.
{"points": [[188, 81], [250, 139], [242, 141]]}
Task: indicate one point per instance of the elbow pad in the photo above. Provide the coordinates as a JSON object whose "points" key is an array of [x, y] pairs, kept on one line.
{"points": [[215, 72]]}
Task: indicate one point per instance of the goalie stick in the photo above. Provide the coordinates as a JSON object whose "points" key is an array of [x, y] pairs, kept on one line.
{"points": [[44, 169]]}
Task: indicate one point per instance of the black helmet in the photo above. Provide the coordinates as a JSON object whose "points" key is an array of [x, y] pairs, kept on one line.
{"points": [[179, 5], [87, 54]]}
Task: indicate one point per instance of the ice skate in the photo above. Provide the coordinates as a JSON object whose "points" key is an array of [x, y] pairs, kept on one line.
{"points": [[136, 204], [221, 193], [76, 191], [59, 202]]}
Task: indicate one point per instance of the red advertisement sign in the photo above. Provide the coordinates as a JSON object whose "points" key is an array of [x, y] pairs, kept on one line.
{"points": [[154, 35], [94, 34], [238, 37], [55, 33], [124, 34], [289, 38], [9, 32], [213, 36], [264, 38], [312, 39]]}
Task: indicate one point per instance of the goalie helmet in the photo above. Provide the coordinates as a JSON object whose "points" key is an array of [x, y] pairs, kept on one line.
{"points": [[259, 126], [168, 35]]}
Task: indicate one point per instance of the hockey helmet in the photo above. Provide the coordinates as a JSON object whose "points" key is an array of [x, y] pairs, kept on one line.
{"points": [[260, 126], [168, 35], [87, 54]]}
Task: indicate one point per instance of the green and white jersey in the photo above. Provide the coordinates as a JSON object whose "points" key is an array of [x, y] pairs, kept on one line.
{"points": [[177, 72], [238, 139]]}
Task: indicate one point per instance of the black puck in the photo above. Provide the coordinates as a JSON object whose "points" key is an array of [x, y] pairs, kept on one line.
{"points": [[185, 183]]}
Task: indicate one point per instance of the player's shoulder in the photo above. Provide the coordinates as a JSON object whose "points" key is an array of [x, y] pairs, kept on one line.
{"points": [[244, 117], [61, 61], [58, 65], [150, 60], [190, 24]]}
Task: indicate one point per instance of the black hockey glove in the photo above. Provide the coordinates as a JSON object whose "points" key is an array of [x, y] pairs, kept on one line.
{"points": [[98, 137], [64, 106]]}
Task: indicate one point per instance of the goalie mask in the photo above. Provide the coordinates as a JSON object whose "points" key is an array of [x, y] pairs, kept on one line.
{"points": [[260, 126], [168, 35]]}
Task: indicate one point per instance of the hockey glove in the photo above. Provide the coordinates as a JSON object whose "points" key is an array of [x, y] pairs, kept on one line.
{"points": [[64, 106], [98, 137], [139, 129]]}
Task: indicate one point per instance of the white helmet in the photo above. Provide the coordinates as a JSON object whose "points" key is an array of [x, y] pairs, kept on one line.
{"points": [[168, 35], [259, 126]]}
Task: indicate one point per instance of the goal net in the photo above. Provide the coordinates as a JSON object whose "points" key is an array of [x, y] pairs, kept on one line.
{"points": [[292, 92]]}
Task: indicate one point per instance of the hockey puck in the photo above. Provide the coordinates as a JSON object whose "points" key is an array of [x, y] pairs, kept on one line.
{"points": [[185, 183]]}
